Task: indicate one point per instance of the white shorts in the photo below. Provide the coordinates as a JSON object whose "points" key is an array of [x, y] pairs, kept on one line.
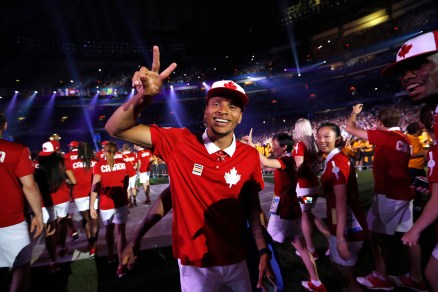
{"points": [[388, 216], [83, 204], [354, 247], [435, 252], [116, 216], [132, 184], [195, 279], [144, 177], [282, 230], [15, 247], [302, 192], [61, 210], [49, 214]]}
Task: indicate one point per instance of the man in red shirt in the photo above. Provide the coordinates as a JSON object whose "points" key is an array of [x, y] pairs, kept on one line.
{"points": [[144, 157], [16, 178], [392, 209], [215, 181], [100, 155]]}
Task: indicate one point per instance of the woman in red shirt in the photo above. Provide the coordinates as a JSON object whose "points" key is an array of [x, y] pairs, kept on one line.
{"points": [[110, 182]]}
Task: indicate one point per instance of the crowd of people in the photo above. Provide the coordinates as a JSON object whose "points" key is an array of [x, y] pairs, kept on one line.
{"points": [[215, 182]]}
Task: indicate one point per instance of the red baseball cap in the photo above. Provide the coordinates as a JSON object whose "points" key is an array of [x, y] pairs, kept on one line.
{"points": [[74, 144], [103, 143], [49, 148], [228, 88], [420, 46]]}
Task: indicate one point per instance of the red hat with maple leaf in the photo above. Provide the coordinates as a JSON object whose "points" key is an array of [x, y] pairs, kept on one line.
{"points": [[420, 46], [49, 147], [228, 88]]}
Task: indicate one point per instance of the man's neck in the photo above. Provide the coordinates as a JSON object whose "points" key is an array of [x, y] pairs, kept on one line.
{"points": [[221, 141]]}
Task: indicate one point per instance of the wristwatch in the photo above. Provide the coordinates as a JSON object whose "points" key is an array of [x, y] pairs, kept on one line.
{"points": [[265, 251]]}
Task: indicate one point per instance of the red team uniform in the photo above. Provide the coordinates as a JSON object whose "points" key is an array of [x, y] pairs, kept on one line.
{"points": [[83, 176], [131, 160], [14, 162], [145, 157], [390, 165], [113, 184], [307, 179], [211, 185], [338, 171]]}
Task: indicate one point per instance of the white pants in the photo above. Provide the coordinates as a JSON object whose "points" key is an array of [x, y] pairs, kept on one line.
{"points": [[214, 279]]}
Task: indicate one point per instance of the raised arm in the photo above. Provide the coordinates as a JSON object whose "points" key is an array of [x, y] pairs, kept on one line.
{"points": [[351, 123], [123, 122], [264, 161]]}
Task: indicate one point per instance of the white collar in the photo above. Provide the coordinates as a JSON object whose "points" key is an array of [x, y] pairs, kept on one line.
{"points": [[332, 153], [212, 148], [394, 129]]}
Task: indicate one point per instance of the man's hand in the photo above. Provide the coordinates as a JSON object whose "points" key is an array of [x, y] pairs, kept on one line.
{"points": [[129, 255], [410, 238], [357, 109], [149, 82], [248, 139], [37, 225], [265, 270]]}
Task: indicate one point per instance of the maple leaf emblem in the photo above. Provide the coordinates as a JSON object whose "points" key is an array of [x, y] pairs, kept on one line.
{"points": [[404, 50], [230, 85], [232, 177]]}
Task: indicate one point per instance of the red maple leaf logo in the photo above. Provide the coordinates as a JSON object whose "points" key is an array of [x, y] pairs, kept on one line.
{"points": [[230, 85], [404, 50]]}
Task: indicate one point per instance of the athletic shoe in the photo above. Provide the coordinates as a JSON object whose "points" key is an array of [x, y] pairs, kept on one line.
{"points": [[310, 287], [407, 281], [121, 271], [55, 267], [147, 202], [375, 283], [314, 254], [92, 253], [74, 235]]}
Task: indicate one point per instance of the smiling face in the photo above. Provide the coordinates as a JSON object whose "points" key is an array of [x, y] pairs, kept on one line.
{"points": [[326, 139], [222, 115], [419, 77]]}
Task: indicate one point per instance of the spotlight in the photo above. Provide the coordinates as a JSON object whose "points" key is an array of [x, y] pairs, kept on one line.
{"points": [[35, 92], [16, 91]]}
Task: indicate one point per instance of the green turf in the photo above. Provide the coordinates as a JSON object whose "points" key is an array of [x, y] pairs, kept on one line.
{"points": [[157, 270]]}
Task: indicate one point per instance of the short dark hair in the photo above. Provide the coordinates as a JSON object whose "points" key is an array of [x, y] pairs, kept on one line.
{"points": [[413, 128], [389, 117], [284, 140]]}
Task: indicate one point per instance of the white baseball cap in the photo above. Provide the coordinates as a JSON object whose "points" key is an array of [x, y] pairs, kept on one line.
{"points": [[420, 46], [49, 148], [228, 88]]}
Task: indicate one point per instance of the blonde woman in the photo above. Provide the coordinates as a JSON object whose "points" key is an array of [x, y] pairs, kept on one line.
{"points": [[305, 153]]}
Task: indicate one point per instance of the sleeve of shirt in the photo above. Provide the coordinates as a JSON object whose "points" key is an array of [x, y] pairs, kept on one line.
{"points": [[25, 165], [376, 137], [96, 168], [298, 149], [164, 139], [68, 164]]}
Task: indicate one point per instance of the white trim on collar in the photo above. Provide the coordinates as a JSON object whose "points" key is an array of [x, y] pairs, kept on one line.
{"points": [[394, 129], [212, 148], [332, 153]]}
